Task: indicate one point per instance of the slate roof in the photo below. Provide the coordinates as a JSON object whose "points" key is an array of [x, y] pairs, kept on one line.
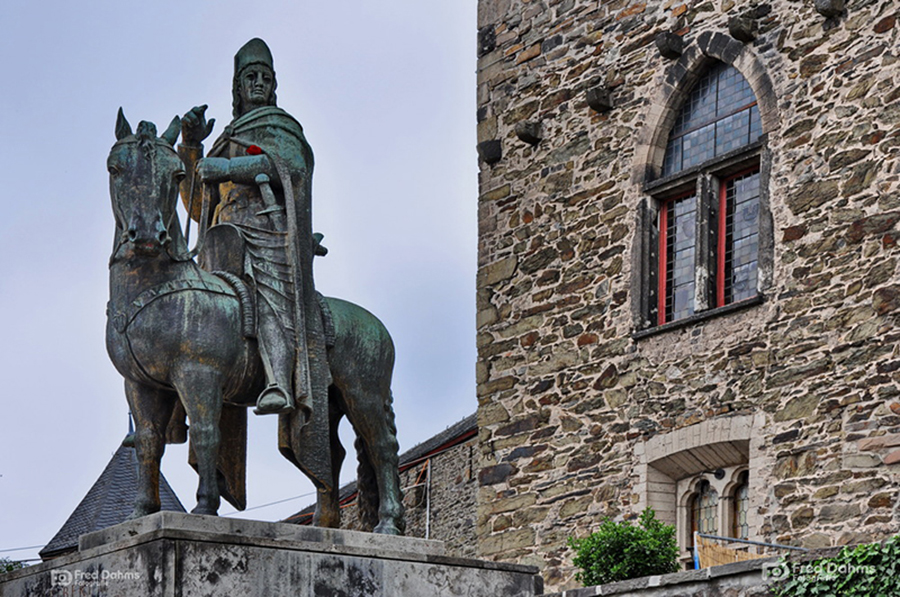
{"points": [[108, 502], [449, 437]]}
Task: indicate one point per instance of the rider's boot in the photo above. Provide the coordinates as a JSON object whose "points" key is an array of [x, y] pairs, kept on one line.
{"points": [[278, 362]]}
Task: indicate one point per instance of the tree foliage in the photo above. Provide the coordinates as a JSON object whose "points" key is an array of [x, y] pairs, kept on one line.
{"points": [[861, 571], [7, 565], [621, 551]]}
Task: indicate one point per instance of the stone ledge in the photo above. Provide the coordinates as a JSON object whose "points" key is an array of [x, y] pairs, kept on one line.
{"points": [[169, 554], [627, 587], [180, 525]]}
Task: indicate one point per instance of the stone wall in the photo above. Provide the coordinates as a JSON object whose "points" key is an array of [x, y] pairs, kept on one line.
{"points": [[741, 579], [450, 514], [572, 395], [438, 479]]}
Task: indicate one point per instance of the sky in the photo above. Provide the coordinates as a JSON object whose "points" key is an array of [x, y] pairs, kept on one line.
{"points": [[386, 95]]}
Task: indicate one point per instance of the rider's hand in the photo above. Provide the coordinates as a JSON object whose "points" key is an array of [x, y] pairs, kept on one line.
{"points": [[194, 126], [213, 169]]}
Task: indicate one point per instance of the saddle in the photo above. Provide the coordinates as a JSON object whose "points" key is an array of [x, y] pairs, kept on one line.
{"points": [[223, 254]]}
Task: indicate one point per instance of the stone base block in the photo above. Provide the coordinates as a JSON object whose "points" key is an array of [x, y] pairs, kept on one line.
{"points": [[171, 554]]}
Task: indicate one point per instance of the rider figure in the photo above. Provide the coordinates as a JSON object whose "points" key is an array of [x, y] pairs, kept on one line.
{"points": [[274, 219]]}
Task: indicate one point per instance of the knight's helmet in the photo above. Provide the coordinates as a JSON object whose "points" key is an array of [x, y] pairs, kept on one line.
{"points": [[253, 52]]}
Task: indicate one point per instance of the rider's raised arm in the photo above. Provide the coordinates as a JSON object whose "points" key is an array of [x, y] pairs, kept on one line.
{"points": [[194, 129]]}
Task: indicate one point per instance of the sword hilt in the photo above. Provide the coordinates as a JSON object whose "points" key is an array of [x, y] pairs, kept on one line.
{"points": [[272, 209]]}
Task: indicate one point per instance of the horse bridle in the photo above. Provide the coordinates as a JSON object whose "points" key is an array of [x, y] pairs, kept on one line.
{"points": [[204, 210]]}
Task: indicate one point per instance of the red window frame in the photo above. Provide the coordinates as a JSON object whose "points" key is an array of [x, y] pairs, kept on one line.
{"points": [[721, 242]]}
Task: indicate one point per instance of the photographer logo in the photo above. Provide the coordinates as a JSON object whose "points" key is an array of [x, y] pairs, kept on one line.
{"points": [[60, 578]]}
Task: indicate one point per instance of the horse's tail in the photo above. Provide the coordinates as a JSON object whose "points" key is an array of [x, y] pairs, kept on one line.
{"points": [[367, 485]]}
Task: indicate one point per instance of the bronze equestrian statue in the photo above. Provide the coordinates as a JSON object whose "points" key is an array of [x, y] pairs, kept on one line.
{"points": [[247, 328]]}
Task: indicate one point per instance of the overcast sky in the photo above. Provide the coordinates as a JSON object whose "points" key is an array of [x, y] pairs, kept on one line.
{"points": [[386, 94]]}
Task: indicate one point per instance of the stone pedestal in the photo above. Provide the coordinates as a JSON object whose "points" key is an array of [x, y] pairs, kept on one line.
{"points": [[170, 554]]}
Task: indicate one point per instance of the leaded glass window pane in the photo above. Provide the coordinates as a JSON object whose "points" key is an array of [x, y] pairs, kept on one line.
{"points": [[709, 501], [741, 237], [719, 115], [704, 510], [681, 242], [741, 508]]}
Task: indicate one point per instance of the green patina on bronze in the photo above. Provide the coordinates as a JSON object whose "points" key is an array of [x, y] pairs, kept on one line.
{"points": [[245, 325]]}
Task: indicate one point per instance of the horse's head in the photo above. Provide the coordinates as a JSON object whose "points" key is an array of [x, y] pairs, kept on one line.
{"points": [[144, 174]]}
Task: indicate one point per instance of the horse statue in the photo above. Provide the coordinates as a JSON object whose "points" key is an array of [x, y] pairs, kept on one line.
{"points": [[182, 339]]}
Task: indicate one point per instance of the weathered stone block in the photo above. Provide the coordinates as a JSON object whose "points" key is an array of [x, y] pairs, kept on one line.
{"points": [[491, 475], [487, 40], [833, 513], [802, 517], [863, 485], [813, 194], [507, 541], [670, 45], [490, 151], [169, 554], [742, 29], [829, 8], [798, 408], [882, 500], [500, 270], [892, 458], [861, 460], [599, 99], [529, 131], [879, 442], [887, 299]]}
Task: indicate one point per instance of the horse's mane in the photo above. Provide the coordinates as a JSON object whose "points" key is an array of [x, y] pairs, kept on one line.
{"points": [[146, 136], [147, 141]]}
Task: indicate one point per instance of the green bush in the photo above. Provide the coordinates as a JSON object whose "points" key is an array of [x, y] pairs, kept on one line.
{"points": [[620, 551], [7, 565], [861, 571]]}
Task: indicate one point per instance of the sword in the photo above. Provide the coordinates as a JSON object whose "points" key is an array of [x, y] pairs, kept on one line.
{"points": [[272, 209]]}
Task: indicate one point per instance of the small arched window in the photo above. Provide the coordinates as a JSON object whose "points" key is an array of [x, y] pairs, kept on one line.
{"points": [[704, 509], [704, 241], [703, 512], [741, 505], [719, 116]]}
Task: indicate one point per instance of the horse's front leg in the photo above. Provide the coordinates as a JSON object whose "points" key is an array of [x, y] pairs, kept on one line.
{"points": [[151, 409], [201, 393]]}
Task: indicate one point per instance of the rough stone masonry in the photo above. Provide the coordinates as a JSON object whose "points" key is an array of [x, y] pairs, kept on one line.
{"points": [[585, 410]]}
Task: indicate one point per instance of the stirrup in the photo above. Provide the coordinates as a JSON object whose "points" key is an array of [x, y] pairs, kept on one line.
{"points": [[273, 401]]}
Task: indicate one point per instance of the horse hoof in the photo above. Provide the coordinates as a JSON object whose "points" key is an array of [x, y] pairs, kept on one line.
{"points": [[387, 527], [205, 511]]}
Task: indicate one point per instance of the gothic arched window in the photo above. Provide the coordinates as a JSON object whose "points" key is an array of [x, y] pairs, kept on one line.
{"points": [[704, 241], [741, 505], [704, 509]]}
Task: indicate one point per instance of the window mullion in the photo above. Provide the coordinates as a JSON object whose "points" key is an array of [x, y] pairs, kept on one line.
{"points": [[662, 262], [704, 266], [649, 224]]}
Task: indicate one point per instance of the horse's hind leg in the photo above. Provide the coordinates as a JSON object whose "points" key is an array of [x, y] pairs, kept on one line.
{"points": [[373, 419], [151, 409], [201, 393]]}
